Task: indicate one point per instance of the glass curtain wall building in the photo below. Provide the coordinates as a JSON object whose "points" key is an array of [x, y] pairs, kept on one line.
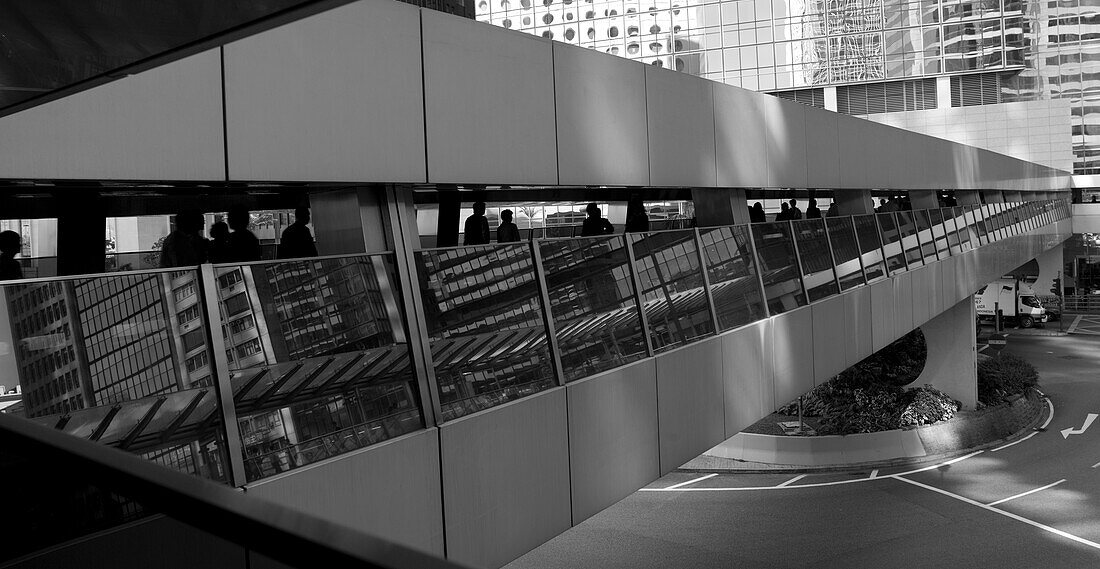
{"points": [[879, 55]]}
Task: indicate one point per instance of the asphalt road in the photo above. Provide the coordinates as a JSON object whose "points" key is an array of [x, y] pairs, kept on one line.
{"points": [[1035, 503]]}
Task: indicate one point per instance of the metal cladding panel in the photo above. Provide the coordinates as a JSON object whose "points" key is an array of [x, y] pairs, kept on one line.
{"points": [[925, 280], [792, 358], [390, 490], [690, 402], [786, 142], [739, 126], [601, 118], [489, 103], [909, 160], [903, 303], [161, 124], [830, 337], [949, 287], [879, 141], [852, 145], [883, 311], [858, 324], [747, 365], [613, 448], [157, 541], [308, 101], [822, 152], [680, 115], [506, 479]]}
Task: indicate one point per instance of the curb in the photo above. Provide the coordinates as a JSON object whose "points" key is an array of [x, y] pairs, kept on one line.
{"points": [[895, 462]]}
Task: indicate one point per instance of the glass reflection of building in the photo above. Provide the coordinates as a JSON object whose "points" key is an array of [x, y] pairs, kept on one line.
{"points": [[875, 56]]}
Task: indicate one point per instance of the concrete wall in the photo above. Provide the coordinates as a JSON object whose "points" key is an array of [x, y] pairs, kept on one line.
{"points": [[375, 91], [1086, 217], [951, 365]]}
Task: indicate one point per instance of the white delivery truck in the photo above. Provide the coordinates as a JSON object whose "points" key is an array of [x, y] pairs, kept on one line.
{"points": [[1016, 300]]}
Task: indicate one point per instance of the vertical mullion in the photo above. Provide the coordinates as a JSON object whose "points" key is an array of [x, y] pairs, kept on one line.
{"points": [[638, 294], [832, 255], [547, 312], [859, 248], [706, 281], [798, 262], [758, 268], [223, 386]]}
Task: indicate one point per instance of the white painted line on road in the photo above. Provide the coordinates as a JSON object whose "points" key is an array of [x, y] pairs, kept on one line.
{"points": [[1043, 527], [1045, 423], [700, 479], [1073, 325], [792, 480], [874, 473], [935, 466], [1022, 494], [1095, 465]]}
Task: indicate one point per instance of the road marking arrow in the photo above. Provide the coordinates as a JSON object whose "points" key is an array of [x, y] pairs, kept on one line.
{"points": [[1088, 421]]}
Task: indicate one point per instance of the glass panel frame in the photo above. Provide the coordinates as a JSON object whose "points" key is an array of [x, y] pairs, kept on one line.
{"points": [[815, 259], [778, 262], [672, 287], [939, 233], [910, 240], [870, 247], [735, 284], [892, 246], [847, 258]]}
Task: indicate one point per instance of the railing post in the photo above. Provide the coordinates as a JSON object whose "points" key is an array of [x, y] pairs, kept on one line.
{"points": [[832, 256], [638, 294], [706, 280], [859, 248], [798, 262], [223, 384], [547, 312], [758, 269]]}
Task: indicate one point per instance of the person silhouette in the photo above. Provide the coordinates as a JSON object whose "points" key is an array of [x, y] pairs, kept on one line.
{"points": [[637, 220], [219, 243], [784, 212], [595, 224], [833, 210], [185, 246], [10, 245], [476, 231], [795, 212], [812, 211], [243, 244], [297, 240], [756, 213], [507, 232]]}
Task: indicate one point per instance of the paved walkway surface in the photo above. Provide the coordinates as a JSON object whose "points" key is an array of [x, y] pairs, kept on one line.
{"points": [[1083, 324], [1031, 502]]}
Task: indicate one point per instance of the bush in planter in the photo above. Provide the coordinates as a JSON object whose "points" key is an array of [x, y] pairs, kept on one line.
{"points": [[927, 405], [1004, 375]]}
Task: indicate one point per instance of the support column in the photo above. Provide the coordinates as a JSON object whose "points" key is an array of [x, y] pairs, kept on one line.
{"points": [[81, 229], [853, 202], [968, 197], [993, 196], [720, 206], [924, 199], [450, 206], [1050, 263], [952, 365], [349, 221]]}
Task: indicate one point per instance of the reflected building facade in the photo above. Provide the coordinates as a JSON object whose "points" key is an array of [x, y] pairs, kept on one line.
{"points": [[880, 59]]}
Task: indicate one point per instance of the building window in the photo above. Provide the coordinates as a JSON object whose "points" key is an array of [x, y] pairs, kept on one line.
{"points": [[188, 314], [192, 340], [248, 348], [976, 89], [812, 97], [229, 279], [235, 305], [184, 291], [196, 362], [242, 324]]}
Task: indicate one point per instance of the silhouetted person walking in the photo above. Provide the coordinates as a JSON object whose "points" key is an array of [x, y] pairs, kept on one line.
{"points": [[795, 212], [595, 224], [784, 212], [185, 246], [297, 240], [637, 220], [243, 244], [507, 232], [812, 211], [10, 245], [756, 213], [219, 243], [833, 210], [476, 231]]}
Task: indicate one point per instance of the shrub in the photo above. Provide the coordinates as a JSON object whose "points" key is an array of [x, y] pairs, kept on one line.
{"points": [[927, 405], [1004, 375]]}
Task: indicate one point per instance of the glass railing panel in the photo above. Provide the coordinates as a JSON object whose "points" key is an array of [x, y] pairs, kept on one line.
{"points": [[123, 360], [907, 225], [734, 284], [975, 217], [982, 214], [870, 246], [38, 267], [592, 300], [963, 234], [672, 288], [131, 261], [485, 325], [940, 232], [892, 245], [778, 266], [318, 356], [818, 271], [924, 233], [995, 220], [842, 236], [951, 229]]}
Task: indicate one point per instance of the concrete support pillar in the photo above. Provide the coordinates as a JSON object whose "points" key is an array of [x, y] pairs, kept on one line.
{"points": [[993, 196], [450, 205], [720, 206], [952, 365], [924, 199], [853, 202], [349, 221], [1050, 262], [1013, 196], [81, 227], [968, 197]]}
